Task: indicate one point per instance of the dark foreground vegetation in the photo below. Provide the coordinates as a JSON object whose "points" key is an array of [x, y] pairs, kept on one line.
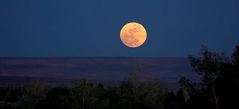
{"points": [[218, 89]]}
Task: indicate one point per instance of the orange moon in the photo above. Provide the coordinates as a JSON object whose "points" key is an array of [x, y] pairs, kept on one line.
{"points": [[133, 35]]}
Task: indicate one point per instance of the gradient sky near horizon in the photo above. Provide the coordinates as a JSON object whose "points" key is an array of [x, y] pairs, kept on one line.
{"points": [[62, 28]]}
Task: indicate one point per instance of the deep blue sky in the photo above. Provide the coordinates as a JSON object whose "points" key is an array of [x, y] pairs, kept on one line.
{"points": [[176, 28]]}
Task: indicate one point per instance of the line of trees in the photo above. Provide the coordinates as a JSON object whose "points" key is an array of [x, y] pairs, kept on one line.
{"points": [[85, 95], [218, 89]]}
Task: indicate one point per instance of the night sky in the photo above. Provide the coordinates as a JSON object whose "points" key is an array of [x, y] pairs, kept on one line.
{"points": [[74, 28]]}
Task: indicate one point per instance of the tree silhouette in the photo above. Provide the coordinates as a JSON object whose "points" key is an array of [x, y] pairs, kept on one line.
{"points": [[34, 92], [219, 80], [181, 99]]}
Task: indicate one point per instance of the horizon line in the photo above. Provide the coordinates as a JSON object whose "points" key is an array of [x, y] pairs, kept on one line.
{"points": [[69, 57]]}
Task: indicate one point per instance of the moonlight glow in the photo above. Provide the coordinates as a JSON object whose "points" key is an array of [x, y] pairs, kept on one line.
{"points": [[133, 34]]}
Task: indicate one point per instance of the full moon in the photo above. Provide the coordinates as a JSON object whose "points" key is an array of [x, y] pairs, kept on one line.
{"points": [[133, 35]]}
